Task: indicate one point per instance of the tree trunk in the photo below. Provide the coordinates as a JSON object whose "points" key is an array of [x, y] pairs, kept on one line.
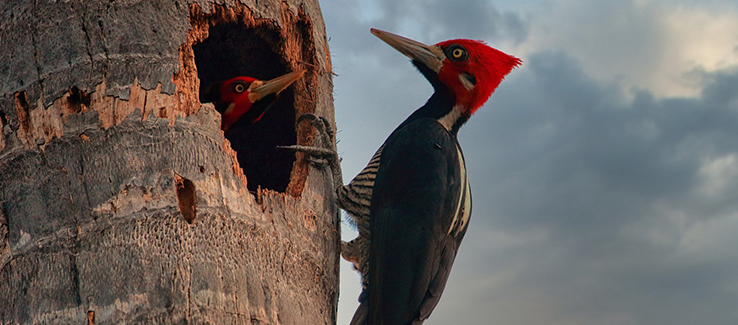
{"points": [[121, 201]]}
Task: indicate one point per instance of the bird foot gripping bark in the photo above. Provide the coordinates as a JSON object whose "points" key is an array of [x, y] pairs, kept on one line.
{"points": [[322, 152], [356, 252], [351, 253]]}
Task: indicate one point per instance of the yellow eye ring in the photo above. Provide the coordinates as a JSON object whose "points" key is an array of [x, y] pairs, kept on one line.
{"points": [[457, 53], [239, 88]]}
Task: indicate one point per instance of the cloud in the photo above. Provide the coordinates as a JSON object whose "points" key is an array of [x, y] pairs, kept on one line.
{"points": [[428, 21], [654, 45], [610, 204]]}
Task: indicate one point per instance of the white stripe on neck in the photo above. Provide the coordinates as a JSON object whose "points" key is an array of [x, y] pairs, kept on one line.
{"points": [[451, 117]]}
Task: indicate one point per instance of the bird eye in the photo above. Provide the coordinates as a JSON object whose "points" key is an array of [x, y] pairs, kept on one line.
{"points": [[457, 53], [239, 88]]}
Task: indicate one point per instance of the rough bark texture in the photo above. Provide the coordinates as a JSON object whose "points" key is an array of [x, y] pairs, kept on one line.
{"points": [[120, 199]]}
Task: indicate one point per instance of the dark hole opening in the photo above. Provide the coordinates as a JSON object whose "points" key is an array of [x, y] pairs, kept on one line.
{"points": [[22, 110], [187, 197], [233, 50], [90, 317], [77, 98], [22, 101]]}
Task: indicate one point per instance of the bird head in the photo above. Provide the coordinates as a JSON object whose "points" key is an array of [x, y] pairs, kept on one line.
{"points": [[246, 97], [469, 70]]}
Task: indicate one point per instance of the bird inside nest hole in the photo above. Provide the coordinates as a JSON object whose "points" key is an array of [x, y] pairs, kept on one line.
{"points": [[243, 73]]}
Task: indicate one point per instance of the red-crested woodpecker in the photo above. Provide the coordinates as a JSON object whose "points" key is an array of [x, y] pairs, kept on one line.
{"points": [[246, 98], [412, 203]]}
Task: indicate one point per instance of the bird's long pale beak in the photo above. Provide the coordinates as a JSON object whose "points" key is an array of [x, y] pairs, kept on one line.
{"points": [[430, 55], [261, 89]]}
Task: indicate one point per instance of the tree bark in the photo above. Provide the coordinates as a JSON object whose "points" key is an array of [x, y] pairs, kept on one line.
{"points": [[121, 201]]}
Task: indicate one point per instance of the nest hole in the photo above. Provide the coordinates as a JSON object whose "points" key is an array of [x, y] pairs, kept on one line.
{"points": [[232, 50]]}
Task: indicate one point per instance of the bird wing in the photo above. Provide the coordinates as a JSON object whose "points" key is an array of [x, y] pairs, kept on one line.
{"points": [[415, 205]]}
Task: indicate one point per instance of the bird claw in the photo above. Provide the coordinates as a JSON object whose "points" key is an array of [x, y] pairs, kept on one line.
{"points": [[321, 154], [356, 252], [350, 254], [319, 122]]}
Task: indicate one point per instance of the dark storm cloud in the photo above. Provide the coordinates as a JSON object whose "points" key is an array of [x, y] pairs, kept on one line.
{"points": [[578, 140]]}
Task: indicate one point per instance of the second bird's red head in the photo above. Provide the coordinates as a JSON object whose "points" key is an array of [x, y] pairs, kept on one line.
{"points": [[246, 97]]}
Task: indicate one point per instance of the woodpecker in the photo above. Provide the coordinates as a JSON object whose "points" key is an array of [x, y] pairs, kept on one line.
{"points": [[412, 203], [246, 97]]}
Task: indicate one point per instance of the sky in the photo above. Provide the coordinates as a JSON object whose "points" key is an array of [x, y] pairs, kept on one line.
{"points": [[604, 170]]}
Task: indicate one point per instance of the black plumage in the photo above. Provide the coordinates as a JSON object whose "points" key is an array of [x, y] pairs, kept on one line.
{"points": [[415, 200], [419, 194]]}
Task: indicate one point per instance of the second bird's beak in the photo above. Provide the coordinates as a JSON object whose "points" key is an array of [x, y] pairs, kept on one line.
{"points": [[430, 55], [260, 89]]}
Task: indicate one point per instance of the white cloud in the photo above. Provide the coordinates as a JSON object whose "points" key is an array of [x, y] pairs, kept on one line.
{"points": [[710, 240], [695, 40], [718, 174], [659, 46]]}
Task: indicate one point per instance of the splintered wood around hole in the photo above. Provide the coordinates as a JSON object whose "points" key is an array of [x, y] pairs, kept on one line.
{"points": [[228, 41], [187, 197]]}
